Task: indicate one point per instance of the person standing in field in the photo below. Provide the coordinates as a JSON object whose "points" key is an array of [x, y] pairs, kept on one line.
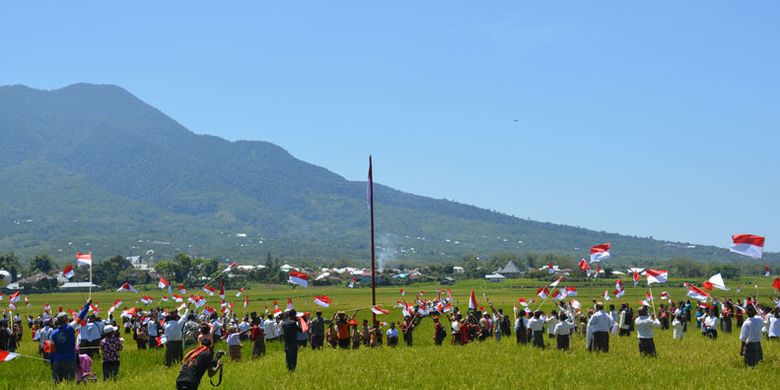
{"points": [[63, 344], [623, 328], [597, 332], [342, 329], [536, 325], [773, 330], [233, 340], [196, 363], [290, 330], [750, 336], [257, 335], [407, 328], [439, 334], [317, 329], [552, 320], [677, 327], [644, 331], [110, 347], [562, 332], [173, 329], [392, 335], [521, 328]]}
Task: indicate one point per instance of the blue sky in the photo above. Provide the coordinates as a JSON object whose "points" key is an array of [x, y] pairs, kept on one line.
{"points": [[655, 119]]}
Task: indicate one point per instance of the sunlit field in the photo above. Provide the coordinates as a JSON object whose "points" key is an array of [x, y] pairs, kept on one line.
{"points": [[694, 362]]}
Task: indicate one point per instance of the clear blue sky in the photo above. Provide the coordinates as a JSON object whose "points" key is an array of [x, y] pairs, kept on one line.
{"points": [[655, 119]]}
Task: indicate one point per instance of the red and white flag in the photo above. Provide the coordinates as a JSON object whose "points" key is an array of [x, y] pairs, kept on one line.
{"points": [[47, 308], [584, 266], [115, 306], [68, 272], [656, 275], [776, 284], [715, 281], [571, 291], [182, 290], [556, 295], [164, 298], [696, 293], [146, 299], [379, 311], [26, 300], [664, 295], [767, 271], [618, 284], [162, 283], [299, 278], [6, 356], [472, 301], [403, 293], [277, 310], [83, 259], [605, 295], [618, 293], [636, 278], [599, 252], [230, 266], [523, 301], [208, 311], [289, 304], [177, 298], [575, 304], [322, 300], [648, 296], [209, 290], [126, 287], [222, 290], [555, 283], [238, 293], [13, 298], [246, 301], [542, 292], [748, 245]]}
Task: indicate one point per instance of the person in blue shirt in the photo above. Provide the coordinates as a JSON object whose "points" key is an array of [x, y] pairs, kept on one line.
{"points": [[63, 341]]}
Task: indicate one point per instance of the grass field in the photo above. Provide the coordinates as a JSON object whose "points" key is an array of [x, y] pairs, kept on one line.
{"points": [[688, 363]]}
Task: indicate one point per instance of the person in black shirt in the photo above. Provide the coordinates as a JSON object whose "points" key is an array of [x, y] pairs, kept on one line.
{"points": [[290, 330], [196, 363]]}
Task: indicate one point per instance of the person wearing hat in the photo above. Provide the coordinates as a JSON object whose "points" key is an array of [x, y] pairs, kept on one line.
{"points": [[290, 329], [173, 329], [750, 336], [597, 331], [63, 343], [196, 363], [110, 347]]}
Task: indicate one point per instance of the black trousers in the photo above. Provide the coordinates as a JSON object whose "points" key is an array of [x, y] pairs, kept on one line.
{"points": [[647, 347], [563, 342], [538, 339], [291, 356], [522, 336], [173, 352], [316, 341], [110, 370], [753, 353], [600, 341]]}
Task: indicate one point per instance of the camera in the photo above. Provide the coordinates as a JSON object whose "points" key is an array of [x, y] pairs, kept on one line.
{"points": [[218, 358]]}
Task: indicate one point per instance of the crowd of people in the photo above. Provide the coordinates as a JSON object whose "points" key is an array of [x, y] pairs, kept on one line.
{"points": [[70, 341]]}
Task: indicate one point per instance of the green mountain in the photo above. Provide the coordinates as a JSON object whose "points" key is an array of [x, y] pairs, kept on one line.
{"points": [[91, 167]]}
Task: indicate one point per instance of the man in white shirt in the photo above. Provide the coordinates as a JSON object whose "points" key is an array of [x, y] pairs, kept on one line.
{"points": [[536, 325], [269, 328], [552, 320], [644, 331], [597, 332], [562, 331], [173, 330], [710, 325], [90, 337], [750, 335], [153, 331], [773, 331]]}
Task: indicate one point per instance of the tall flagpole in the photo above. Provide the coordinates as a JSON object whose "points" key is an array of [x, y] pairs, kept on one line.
{"points": [[90, 275], [373, 247]]}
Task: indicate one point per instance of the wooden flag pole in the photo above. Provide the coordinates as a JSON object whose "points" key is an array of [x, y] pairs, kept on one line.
{"points": [[373, 246]]}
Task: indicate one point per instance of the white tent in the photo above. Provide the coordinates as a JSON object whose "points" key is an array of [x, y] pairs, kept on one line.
{"points": [[495, 277]]}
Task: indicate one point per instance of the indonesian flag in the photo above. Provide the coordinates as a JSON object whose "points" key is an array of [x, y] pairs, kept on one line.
{"points": [[46, 307], [126, 287], [182, 290], [6, 356], [776, 284], [199, 301], [605, 295], [599, 252], [164, 298], [636, 278], [162, 283], [208, 311], [209, 290], [648, 296], [240, 290], [231, 266], [618, 284], [299, 278], [523, 301], [68, 272], [575, 304], [557, 295], [403, 293], [715, 281], [11, 307], [146, 299], [13, 298], [696, 293], [767, 272], [542, 292], [571, 291], [113, 307], [664, 295], [644, 302], [277, 310], [704, 305], [584, 266], [222, 290], [379, 311], [83, 259], [177, 298], [555, 283], [130, 312], [26, 300], [618, 293], [322, 300], [246, 301], [748, 245], [472, 301], [656, 275], [289, 304]]}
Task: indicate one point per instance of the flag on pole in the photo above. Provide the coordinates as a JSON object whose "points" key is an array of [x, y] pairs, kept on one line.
{"points": [[222, 289], [162, 283], [696, 293], [599, 252], [238, 293], [113, 307], [164, 298], [555, 283], [209, 290], [289, 304], [13, 298], [618, 284], [6, 356], [543, 292], [146, 299], [322, 300], [605, 295], [656, 275], [208, 311], [618, 293], [403, 293], [472, 301], [664, 295], [277, 310], [767, 272], [748, 245], [571, 291], [68, 272], [230, 266], [636, 278], [584, 266], [126, 287], [523, 301], [83, 259], [648, 296], [715, 281], [299, 278], [182, 290], [379, 311], [246, 301]]}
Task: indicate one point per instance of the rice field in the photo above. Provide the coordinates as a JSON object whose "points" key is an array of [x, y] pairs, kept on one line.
{"points": [[693, 362]]}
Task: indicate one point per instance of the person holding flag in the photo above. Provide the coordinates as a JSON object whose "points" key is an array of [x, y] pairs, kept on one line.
{"points": [[63, 341], [644, 331], [173, 331]]}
